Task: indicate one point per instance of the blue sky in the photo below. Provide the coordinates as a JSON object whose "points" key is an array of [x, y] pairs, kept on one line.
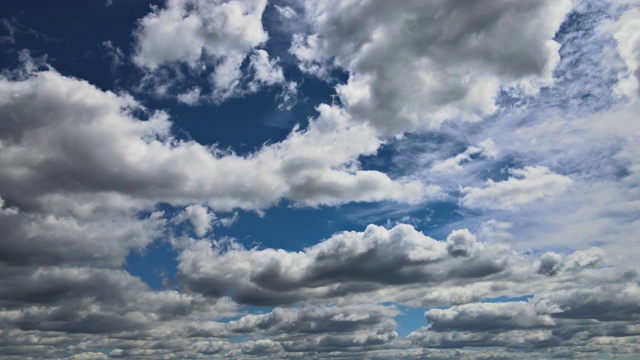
{"points": [[185, 179]]}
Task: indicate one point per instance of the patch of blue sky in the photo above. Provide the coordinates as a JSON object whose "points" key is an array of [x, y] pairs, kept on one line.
{"points": [[505, 298], [79, 25], [247, 310], [410, 319], [238, 124], [156, 264], [289, 228]]}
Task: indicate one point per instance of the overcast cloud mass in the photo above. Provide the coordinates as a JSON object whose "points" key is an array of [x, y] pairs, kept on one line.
{"points": [[357, 179]]}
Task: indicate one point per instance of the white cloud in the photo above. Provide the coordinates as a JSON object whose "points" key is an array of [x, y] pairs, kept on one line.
{"points": [[312, 319], [211, 37], [626, 31], [399, 264], [190, 30], [91, 143], [82, 174], [495, 231], [199, 216], [555, 319], [115, 53], [289, 96], [526, 185], [413, 65], [480, 316], [266, 71], [191, 97], [453, 164]]}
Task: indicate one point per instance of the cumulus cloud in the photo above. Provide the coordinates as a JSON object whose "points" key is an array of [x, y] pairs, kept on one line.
{"points": [[266, 71], [81, 177], [210, 37], [191, 97], [315, 320], [90, 176], [555, 319], [357, 264], [414, 65], [187, 30], [199, 216], [460, 243], [526, 185], [345, 263], [91, 143]]}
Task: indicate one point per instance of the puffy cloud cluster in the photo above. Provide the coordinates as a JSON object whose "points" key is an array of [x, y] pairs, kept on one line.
{"points": [[82, 173], [399, 264], [415, 64], [109, 311], [587, 320], [210, 37], [351, 262], [88, 141]]}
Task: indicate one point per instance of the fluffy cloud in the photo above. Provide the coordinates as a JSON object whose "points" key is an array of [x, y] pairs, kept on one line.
{"points": [[316, 320], [399, 264], [89, 142], [188, 30], [598, 316], [211, 37], [487, 316], [84, 170], [199, 216], [38, 239], [346, 263], [414, 65], [529, 184], [94, 301]]}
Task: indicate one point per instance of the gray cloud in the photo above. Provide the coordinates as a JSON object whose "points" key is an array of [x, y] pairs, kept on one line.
{"points": [[398, 264], [561, 318]]}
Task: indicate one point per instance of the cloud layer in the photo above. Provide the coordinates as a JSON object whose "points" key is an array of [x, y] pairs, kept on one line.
{"points": [[472, 166]]}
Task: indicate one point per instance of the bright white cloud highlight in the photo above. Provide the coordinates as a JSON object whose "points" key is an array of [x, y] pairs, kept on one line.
{"points": [[415, 64], [526, 185]]}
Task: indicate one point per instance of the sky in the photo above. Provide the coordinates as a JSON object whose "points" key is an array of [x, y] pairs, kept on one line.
{"points": [[354, 179]]}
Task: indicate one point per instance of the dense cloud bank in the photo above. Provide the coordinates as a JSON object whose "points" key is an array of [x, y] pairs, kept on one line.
{"points": [[518, 119]]}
